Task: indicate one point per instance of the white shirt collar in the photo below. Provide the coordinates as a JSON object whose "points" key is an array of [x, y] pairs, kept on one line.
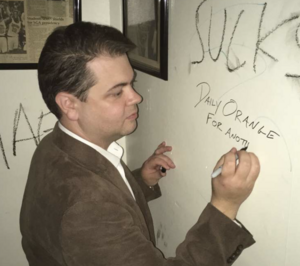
{"points": [[113, 153]]}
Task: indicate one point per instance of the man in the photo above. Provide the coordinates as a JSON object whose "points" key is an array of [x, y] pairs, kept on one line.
{"points": [[3, 41], [82, 205], [14, 28]]}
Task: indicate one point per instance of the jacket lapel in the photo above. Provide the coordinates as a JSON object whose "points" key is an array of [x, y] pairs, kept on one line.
{"points": [[142, 203], [89, 158], [94, 161]]}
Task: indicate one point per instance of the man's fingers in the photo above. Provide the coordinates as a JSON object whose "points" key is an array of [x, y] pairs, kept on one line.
{"points": [[161, 144], [236, 181], [162, 172], [163, 161], [166, 161], [220, 162], [229, 165], [255, 167], [222, 159], [163, 149]]}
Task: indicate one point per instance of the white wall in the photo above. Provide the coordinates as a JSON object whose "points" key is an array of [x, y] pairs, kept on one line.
{"points": [[168, 113], [21, 87], [267, 96]]}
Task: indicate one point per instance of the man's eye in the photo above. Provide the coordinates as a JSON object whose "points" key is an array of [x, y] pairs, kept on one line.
{"points": [[118, 93]]}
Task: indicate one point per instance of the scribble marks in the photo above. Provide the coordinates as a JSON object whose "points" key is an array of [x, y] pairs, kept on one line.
{"points": [[3, 153]]}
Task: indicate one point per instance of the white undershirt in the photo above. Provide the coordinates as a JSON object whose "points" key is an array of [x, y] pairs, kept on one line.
{"points": [[113, 153]]}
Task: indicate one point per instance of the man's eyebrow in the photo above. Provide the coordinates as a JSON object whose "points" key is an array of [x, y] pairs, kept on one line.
{"points": [[122, 84]]}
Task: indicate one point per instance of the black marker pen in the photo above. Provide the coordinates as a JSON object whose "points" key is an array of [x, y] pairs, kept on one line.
{"points": [[163, 170]]}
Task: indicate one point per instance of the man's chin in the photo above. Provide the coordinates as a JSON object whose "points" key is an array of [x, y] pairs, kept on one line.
{"points": [[133, 129]]}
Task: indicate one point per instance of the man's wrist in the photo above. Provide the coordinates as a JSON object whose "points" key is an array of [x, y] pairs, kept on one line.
{"points": [[230, 210]]}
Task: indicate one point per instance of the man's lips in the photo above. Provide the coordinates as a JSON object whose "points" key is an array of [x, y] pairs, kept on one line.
{"points": [[133, 116]]}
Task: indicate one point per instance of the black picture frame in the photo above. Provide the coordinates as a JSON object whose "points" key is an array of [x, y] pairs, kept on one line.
{"points": [[146, 57], [22, 66]]}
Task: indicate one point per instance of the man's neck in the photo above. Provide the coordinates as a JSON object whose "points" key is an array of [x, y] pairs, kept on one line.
{"points": [[75, 129]]}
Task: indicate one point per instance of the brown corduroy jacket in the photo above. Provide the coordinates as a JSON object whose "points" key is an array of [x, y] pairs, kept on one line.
{"points": [[78, 211]]}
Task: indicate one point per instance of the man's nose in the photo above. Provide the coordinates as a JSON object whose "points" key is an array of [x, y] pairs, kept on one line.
{"points": [[135, 97]]}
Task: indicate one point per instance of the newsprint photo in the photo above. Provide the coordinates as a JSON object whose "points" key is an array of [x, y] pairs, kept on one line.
{"points": [[25, 25]]}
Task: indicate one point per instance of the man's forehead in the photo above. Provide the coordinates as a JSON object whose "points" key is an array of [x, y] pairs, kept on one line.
{"points": [[110, 71], [105, 64]]}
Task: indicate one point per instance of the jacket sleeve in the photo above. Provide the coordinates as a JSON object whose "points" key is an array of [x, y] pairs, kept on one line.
{"points": [[150, 193], [105, 233]]}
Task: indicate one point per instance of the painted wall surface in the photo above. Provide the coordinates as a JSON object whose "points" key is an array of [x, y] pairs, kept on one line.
{"points": [[234, 71], [24, 120]]}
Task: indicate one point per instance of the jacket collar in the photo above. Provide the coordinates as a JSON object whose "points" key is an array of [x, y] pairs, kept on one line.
{"points": [[89, 158]]}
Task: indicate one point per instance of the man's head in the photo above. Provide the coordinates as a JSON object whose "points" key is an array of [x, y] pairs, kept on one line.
{"points": [[63, 62], [86, 81], [15, 15]]}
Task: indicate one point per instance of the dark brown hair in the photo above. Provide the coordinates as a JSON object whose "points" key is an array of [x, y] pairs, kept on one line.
{"points": [[63, 61]]}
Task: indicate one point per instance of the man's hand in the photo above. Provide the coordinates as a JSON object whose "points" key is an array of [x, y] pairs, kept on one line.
{"points": [[233, 186], [151, 169]]}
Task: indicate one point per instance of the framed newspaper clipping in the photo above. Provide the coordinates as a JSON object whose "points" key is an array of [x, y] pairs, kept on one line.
{"points": [[145, 23], [26, 24]]}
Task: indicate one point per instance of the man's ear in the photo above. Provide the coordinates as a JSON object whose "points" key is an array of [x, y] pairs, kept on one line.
{"points": [[68, 105]]}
